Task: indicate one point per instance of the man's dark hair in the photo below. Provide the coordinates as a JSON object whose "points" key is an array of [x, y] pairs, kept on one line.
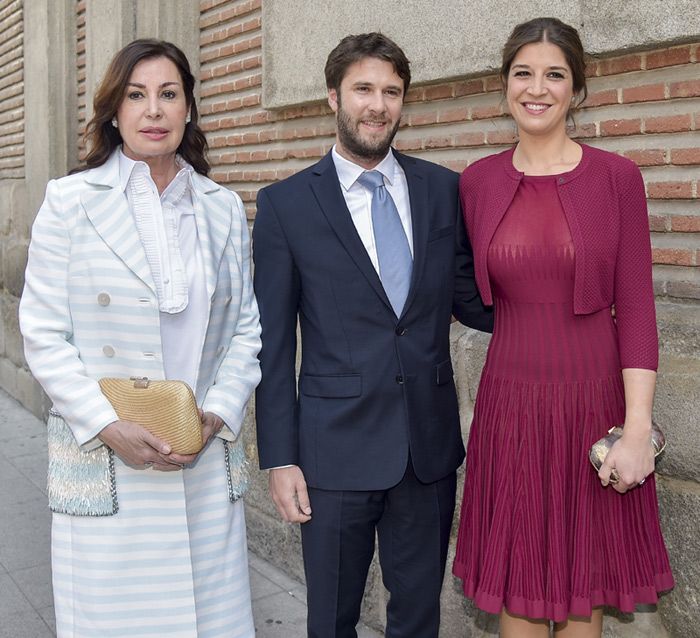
{"points": [[353, 48]]}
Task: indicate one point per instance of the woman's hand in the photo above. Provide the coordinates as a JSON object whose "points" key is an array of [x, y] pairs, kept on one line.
{"points": [[631, 458], [211, 426], [136, 446]]}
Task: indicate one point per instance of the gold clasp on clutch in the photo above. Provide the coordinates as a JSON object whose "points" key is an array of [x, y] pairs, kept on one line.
{"points": [[140, 382]]}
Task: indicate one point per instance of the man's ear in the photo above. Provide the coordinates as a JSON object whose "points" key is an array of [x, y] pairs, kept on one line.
{"points": [[333, 100]]}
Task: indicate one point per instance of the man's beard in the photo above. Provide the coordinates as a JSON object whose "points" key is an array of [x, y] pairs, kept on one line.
{"points": [[349, 137]]}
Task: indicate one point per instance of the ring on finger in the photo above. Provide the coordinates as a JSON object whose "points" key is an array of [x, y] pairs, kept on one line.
{"points": [[641, 482], [614, 476]]}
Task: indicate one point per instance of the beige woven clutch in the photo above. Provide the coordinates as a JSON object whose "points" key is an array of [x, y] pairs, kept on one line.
{"points": [[165, 408]]}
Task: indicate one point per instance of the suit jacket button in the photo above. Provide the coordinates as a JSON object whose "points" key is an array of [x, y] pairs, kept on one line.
{"points": [[108, 351], [399, 379], [401, 331], [103, 299]]}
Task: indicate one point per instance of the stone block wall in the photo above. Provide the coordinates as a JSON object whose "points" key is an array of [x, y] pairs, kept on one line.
{"points": [[644, 102]]}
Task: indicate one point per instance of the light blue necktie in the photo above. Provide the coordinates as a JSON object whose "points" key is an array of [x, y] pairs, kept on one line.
{"points": [[393, 251]]}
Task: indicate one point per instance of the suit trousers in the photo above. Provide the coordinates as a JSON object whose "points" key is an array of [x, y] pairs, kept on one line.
{"points": [[412, 522]]}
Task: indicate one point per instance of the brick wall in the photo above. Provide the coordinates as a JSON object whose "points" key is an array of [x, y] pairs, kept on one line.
{"points": [[645, 106], [11, 89]]}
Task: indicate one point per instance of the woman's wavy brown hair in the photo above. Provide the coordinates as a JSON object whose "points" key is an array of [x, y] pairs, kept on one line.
{"points": [[101, 138]]}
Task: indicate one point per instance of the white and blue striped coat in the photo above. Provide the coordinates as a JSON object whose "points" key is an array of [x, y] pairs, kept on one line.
{"points": [[172, 560]]}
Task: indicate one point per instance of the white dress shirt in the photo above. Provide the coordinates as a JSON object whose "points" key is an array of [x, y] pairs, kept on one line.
{"points": [[168, 231], [359, 199]]}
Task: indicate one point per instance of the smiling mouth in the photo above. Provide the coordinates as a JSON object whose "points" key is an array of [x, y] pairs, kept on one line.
{"points": [[374, 124], [535, 107]]}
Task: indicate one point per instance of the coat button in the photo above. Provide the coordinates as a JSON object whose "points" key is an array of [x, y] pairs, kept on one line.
{"points": [[401, 331], [103, 299], [561, 180], [108, 351], [399, 379]]}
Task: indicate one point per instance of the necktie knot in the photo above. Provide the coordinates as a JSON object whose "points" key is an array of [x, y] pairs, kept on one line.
{"points": [[371, 180]]}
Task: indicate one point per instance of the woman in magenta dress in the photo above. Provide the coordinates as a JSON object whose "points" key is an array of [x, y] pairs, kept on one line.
{"points": [[560, 236]]}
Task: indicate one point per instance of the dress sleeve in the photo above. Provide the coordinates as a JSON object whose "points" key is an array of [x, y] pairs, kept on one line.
{"points": [[634, 292]]}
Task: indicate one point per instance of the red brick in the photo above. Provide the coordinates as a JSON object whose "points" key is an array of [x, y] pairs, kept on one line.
{"points": [[486, 112], [583, 131], [592, 69], [501, 137], [658, 223], [419, 119], [673, 256], [601, 98], [688, 88], [667, 124], [444, 141], [685, 223], [623, 64], [469, 139], [439, 92], [685, 156], [454, 115], [258, 156], [409, 145], [668, 57], [647, 93], [620, 127], [670, 190], [469, 87], [415, 94], [493, 83], [647, 157]]}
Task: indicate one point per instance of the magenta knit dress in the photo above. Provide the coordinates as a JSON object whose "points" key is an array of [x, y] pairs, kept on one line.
{"points": [[538, 533]]}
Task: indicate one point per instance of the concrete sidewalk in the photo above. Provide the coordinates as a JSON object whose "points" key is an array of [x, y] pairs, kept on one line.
{"points": [[26, 604]]}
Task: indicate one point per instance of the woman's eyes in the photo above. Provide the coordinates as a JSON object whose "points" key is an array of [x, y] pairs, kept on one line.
{"points": [[555, 75], [168, 94]]}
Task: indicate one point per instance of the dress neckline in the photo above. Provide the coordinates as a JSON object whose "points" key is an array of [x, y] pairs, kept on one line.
{"points": [[559, 177]]}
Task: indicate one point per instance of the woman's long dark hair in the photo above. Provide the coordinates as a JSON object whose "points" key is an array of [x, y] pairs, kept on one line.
{"points": [[101, 138]]}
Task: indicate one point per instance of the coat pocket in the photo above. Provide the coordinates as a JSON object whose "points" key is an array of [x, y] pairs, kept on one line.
{"points": [[443, 372], [335, 386]]}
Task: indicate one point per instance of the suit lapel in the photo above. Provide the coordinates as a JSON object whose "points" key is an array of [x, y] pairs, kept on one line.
{"points": [[213, 218], [420, 220], [107, 208], [327, 191]]}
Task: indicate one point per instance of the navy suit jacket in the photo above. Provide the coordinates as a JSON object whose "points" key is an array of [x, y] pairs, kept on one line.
{"points": [[372, 386]]}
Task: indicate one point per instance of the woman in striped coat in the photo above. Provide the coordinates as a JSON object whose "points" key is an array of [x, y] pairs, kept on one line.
{"points": [[139, 266]]}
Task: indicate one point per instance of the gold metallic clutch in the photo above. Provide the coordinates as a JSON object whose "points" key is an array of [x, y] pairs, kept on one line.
{"points": [[599, 450], [165, 408]]}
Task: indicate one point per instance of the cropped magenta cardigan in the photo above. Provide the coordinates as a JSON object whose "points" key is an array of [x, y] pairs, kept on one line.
{"points": [[605, 206]]}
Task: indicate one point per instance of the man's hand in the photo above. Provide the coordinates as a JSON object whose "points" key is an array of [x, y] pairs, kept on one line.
{"points": [[288, 491]]}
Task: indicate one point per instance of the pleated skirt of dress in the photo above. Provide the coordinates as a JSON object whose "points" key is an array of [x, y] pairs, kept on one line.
{"points": [[172, 562]]}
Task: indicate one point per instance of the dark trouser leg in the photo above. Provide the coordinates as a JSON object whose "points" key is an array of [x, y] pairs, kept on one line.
{"points": [[414, 533], [338, 544]]}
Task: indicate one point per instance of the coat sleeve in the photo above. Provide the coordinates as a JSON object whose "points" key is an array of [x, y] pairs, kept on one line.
{"points": [[634, 292], [278, 289], [239, 372], [47, 328]]}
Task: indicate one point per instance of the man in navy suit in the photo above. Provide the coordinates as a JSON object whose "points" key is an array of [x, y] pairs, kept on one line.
{"points": [[368, 440]]}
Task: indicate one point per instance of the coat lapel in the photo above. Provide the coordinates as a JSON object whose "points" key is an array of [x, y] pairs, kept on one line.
{"points": [[107, 208], [212, 211], [327, 191], [420, 220]]}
